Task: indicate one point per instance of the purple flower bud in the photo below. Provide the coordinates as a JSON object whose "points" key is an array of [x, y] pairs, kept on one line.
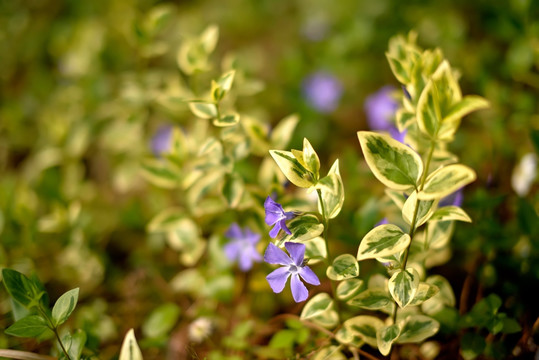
{"points": [[322, 91]]}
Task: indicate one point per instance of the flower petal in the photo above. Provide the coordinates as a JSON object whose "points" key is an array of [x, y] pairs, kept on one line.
{"points": [[234, 232], [299, 291], [275, 231], [247, 257], [232, 250], [283, 226], [251, 237], [274, 211], [308, 275], [296, 251], [277, 279], [274, 255]]}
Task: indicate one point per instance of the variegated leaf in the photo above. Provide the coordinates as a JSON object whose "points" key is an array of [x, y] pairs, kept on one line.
{"points": [[383, 240], [450, 213], [416, 328], [396, 165], [293, 169], [445, 181], [403, 286], [386, 336], [424, 212]]}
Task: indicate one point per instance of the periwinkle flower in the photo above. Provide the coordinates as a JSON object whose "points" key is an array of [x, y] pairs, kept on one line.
{"points": [[292, 266], [242, 247], [381, 108], [162, 140], [322, 91], [275, 215]]}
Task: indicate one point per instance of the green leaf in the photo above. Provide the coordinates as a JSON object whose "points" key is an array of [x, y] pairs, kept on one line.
{"points": [[416, 328], [383, 240], [233, 189], [398, 69], [360, 329], [397, 197], [64, 306], [344, 267], [160, 173], [425, 210], [472, 345], [445, 181], [281, 135], [209, 38], [403, 286], [396, 165], [332, 189], [283, 339], [450, 213], [222, 86], [310, 158], [385, 337], [203, 110], [130, 349], [31, 326], [424, 292], [227, 120], [303, 227], [429, 117], [321, 310], [293, 169], [445, 296], [404, 119], [348, 288], [510, 326], [161, 321], [330, 352], [75, 343], [439, 233], [21, 288], [371, 299], [166, 220], [465, 106]]}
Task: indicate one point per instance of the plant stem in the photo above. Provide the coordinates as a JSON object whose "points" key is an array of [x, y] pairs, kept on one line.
{"points": [[328, 256], [54, 330], [414, 218]]}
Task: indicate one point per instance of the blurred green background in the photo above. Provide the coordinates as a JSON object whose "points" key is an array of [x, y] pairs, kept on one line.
{"points": [[85, 85]]}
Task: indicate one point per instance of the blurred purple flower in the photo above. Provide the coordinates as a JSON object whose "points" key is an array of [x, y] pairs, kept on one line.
{"points": [[294, 266], [454, 199], [242, 247], [162, 140], [382, 222], [275, 215], [322, 91], [381, 108]]}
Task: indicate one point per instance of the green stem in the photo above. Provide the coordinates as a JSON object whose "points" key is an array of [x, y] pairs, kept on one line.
{"points": [[54, 330], [414, 217], [328, 256]]}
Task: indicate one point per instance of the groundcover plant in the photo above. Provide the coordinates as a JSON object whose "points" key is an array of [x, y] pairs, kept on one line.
{"points": [[152, 207]]}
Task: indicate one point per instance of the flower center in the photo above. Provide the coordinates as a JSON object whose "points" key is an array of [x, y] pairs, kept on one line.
{"points": [[293, 269]]}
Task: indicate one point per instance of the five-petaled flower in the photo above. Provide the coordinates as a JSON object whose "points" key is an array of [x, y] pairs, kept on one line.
{"points": [[242, 247], [294, 266], [275, 215]]}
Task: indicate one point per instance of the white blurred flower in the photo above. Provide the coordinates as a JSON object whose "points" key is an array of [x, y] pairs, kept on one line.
{"points": [[524, 174], [200, 329]]}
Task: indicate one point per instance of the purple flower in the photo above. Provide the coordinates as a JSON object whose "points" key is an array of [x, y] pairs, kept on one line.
{"points": [[242, 247], [382, 222], [454, 199], [275, 215], [322, 91], [162, 140], [290, 266], [381, 108]]}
